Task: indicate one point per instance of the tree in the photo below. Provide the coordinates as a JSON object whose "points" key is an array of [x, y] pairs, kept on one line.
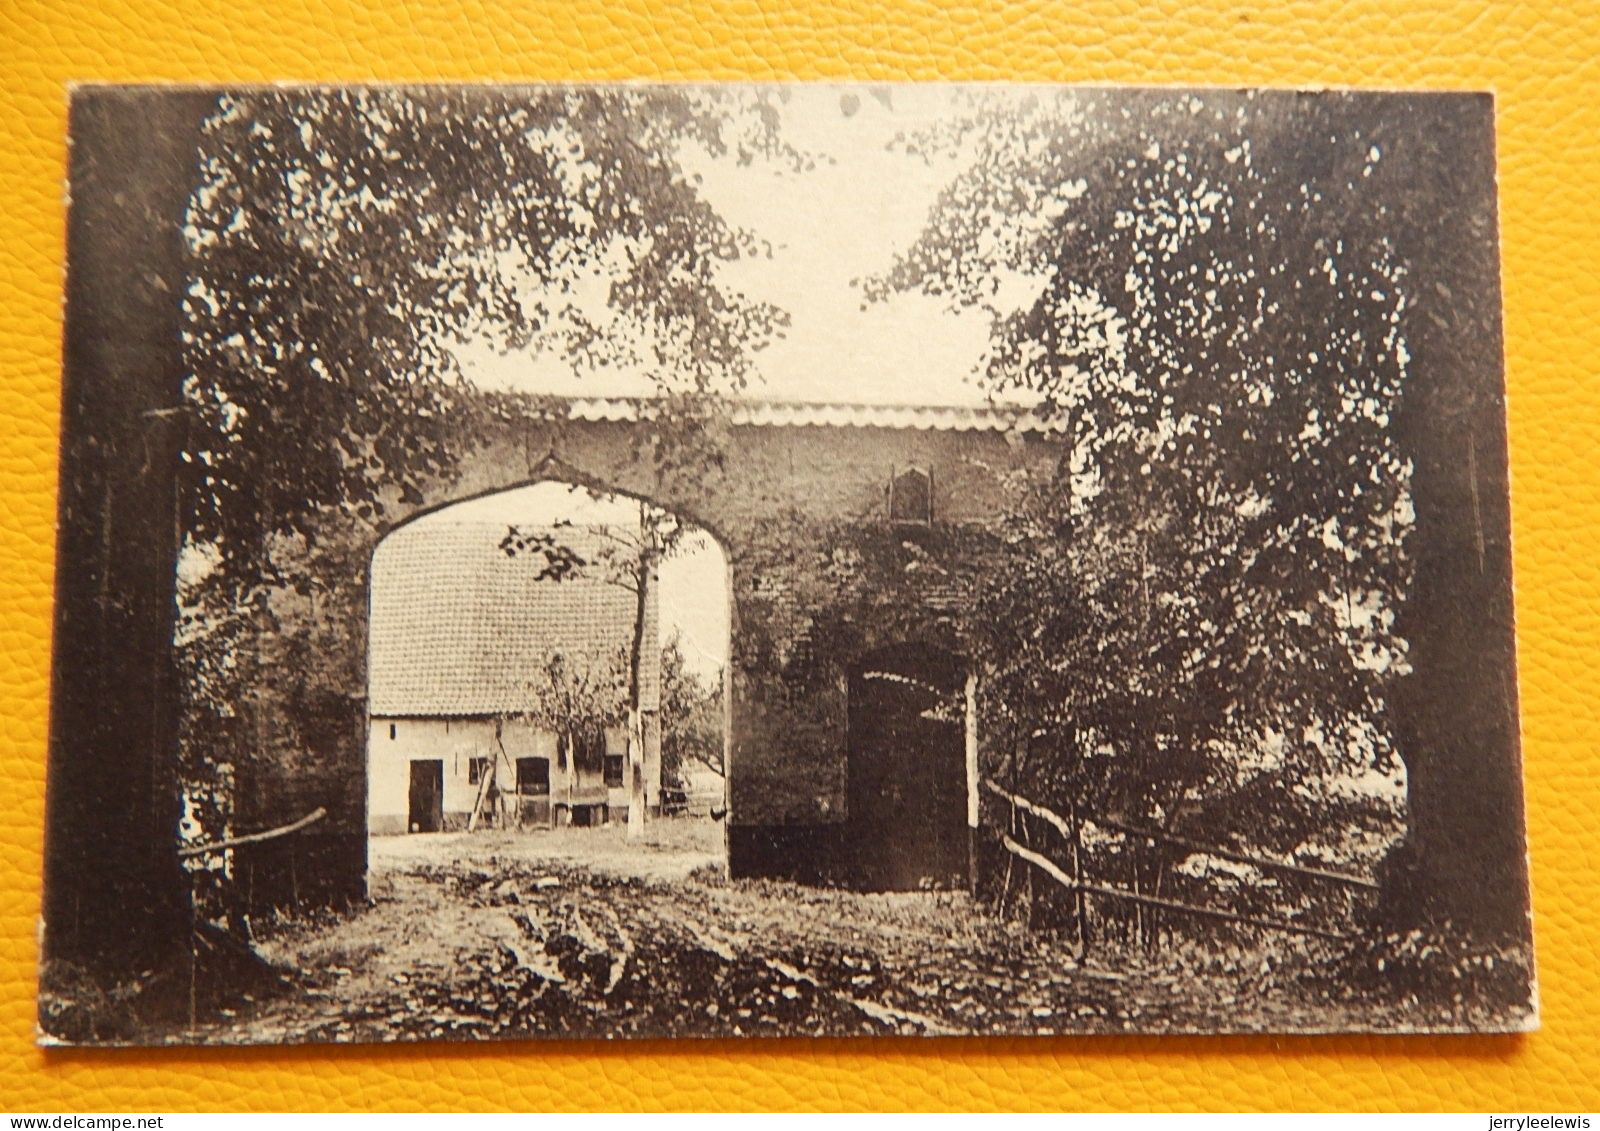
{"points": [[577, 695], [630, 558], [1465, 858], [691, 718], [345, 243], [115, 898], [268, 291], [1219, 328]]}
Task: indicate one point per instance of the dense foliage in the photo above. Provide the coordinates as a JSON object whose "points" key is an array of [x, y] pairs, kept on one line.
{"points": [[346, 243], [575, 695], [1195, 612]]}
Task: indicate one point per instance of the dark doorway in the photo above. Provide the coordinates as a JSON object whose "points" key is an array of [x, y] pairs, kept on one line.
{"points": [[533, 791], [907, 766], [427, 795]]}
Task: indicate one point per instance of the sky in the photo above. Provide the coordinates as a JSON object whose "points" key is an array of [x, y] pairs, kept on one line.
{"points": [[694, 580], [841, 221]]}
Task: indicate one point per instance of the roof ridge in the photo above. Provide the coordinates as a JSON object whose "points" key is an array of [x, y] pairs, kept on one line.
{"points": [[777, 411]]}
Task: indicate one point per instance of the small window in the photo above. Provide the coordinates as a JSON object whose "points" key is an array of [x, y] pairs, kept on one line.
{"points": [[533, 776], [391, 732], [911, 496], [476, 768], [614, 764]]}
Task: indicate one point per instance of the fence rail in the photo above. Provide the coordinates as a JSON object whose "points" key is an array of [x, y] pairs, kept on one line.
{"points": [[1055, 873], [309, 819], [1076, 883], [1235, 855], [1181, 841]]}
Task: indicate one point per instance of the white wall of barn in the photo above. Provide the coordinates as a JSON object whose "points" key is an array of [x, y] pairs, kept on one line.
{"points": [[393, 743]]}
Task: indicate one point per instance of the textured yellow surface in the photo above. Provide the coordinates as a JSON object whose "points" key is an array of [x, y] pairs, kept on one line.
{"points": [[1542, 62]]}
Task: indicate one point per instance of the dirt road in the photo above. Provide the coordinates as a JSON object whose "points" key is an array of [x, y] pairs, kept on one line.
{"points": [[578, 933]]}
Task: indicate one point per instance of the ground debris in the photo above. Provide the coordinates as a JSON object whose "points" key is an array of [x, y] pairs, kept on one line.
{"points": [[633, 945], [530, 959], [889, 1015]]}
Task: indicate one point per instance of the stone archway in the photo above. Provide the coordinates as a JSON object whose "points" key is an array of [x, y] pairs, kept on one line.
{"points": [[821, 569]]}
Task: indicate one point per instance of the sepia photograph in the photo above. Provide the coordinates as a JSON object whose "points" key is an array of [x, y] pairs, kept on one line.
{"points": [[639, 561]]}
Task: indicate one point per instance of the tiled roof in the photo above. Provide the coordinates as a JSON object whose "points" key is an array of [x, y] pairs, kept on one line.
{"points": [[457, 624], [790, 414]]}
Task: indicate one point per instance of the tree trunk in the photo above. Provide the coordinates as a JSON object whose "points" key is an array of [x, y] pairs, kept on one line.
{"points": [[1464, 858], [115, 897], [636, 790]]}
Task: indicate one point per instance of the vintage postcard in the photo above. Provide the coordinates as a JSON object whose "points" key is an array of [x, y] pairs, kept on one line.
{"points": [[712, 561]]}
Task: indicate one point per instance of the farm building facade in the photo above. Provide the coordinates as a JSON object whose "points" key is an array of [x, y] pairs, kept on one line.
{"points": [[462, 639]]}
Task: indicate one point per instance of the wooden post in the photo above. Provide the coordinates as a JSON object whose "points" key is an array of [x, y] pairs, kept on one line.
{"points": [[727, 721], [1080, 901], [970, 721], [1135, 847], [635, 774]]}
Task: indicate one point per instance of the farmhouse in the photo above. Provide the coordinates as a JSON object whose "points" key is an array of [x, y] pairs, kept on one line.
{"points": [[462, 638]]}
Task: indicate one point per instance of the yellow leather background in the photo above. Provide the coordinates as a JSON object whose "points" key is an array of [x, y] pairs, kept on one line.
{"points": [[1544, 62]]}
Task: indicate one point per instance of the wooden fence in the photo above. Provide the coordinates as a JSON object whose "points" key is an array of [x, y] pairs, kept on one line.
{"points": [[1072, 876]]}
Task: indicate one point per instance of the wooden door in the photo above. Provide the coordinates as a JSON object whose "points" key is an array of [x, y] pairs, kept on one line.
{"points": [[907, 771], [427, 795], [533, 791]]}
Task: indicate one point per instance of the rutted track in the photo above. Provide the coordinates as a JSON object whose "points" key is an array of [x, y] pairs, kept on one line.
{"points": [[495, 946]]}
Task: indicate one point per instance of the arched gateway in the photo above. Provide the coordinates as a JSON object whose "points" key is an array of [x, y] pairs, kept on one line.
{"points": [[472, 651], [848, 529]]}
